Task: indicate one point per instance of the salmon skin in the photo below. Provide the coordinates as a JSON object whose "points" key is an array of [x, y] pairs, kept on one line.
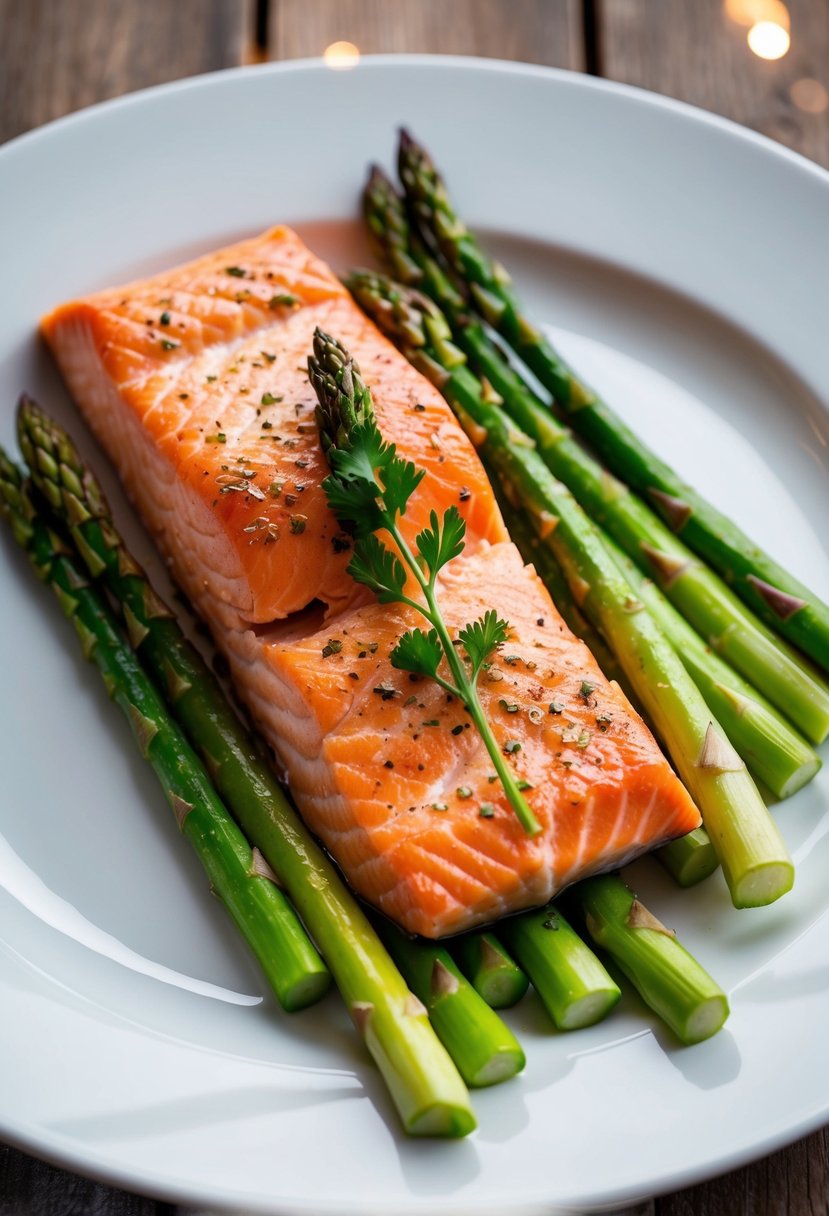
{"points": [[195, 382]]}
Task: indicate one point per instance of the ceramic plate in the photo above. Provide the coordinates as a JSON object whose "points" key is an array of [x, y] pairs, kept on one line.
{"points": [[681, 263]]}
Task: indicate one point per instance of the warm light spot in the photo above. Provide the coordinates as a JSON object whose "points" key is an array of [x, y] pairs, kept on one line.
{"points": [[809, 95], [769, 40], [750, 12], [341, 55]]}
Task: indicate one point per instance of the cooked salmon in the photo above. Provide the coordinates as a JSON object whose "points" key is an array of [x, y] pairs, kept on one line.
{"points": [[195, 382]]}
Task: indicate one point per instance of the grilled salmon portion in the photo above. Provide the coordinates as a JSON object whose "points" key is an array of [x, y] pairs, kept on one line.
{"points": [[195, 382]]}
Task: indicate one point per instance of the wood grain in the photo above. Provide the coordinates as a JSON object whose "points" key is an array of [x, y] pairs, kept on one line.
{"points": [[536, 31], [33, 1188], [694, 51], [794, 1182], [59, 55]]}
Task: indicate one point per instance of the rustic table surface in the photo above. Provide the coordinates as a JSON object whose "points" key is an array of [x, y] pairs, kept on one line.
{"points": [[59, 55]]}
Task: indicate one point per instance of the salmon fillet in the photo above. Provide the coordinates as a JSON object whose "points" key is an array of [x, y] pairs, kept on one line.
{"points": [[195, 382]]}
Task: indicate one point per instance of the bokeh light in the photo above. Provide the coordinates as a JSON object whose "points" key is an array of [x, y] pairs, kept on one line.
{"points": [[341, 55], [809, 95], [769, 40]]}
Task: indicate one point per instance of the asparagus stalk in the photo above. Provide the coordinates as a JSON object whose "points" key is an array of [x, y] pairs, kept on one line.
{"points": [[533, 549], [667, 977], [423, 1082], [770, 664], [692, 857], [491, 971], [710, 606], [755, 862], [774, 753], [689, 859], [237, 873], [573, 985], [786, 605], [483, 1047]]}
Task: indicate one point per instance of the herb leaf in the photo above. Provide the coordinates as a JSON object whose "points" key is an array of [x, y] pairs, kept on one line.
{"points": [[418, 651], [378, 568], [480, 638], [369, 489], [442, 541]]}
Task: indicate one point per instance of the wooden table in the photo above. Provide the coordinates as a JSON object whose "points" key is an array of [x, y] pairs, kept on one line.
{"points": [[59, 55]]}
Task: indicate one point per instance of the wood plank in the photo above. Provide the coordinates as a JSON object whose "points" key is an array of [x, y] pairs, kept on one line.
{"points": [[794, 1182], [32, 1188], [59, 55], [696, 52], [536, 31]]}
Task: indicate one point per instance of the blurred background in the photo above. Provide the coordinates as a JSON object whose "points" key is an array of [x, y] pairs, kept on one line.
{"points": [[764, 63]]}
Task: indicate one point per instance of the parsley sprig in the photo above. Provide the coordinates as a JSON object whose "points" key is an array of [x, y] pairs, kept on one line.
{"points": [[368, 489]]}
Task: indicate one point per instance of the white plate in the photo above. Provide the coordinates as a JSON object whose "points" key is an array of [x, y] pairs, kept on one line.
{"points": [[682, 263]]}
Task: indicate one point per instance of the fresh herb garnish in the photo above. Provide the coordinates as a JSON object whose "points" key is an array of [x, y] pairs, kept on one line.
{"points": [[368, 489]]}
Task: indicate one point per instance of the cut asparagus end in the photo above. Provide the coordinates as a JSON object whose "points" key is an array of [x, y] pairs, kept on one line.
{"points": [[442, 1121], [708, 1017], [505, 1063], [491, 971], [483, 1048], [755, 861], [665, 975], [763, 885], [590, 1009], [571, 982], [305, 991], [690, 859], [802, 776]]}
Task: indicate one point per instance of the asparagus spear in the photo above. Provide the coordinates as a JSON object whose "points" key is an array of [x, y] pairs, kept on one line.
{"points": [[483, 1047], [692, 857], [782, 601], [573, 985], [714, 611], [491, 971], [775, 754], [667, 977], [237, 874], [423, 1082], [755, 861], [767, 662]]}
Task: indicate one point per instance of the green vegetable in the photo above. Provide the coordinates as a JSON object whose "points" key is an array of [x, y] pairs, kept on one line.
{"points": [[708, 604], [786, 605], [755, 862], [574, 986], [423, 1082], [490, 970], [666, 976], [237, 874], [484, 1049]]}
